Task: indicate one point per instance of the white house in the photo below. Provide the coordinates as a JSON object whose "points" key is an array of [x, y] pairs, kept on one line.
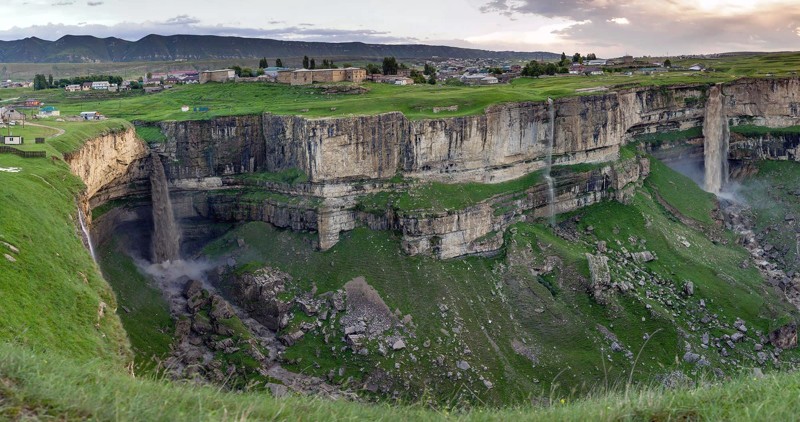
{"points": [[598, 62], [101, 85], [12, 140], [696, 67], [489, 80], [89, 115], [73, 88], [49, 111]]}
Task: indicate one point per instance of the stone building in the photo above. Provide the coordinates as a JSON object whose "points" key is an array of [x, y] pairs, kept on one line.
{"points": [[306, 76], [222, 75]]}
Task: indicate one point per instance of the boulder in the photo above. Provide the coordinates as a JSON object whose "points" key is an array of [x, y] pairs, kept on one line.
{"points": [[784, 337], [399, 345]]}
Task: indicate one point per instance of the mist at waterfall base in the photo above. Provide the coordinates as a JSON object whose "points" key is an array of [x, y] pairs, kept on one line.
{"points": [[166, 266]]}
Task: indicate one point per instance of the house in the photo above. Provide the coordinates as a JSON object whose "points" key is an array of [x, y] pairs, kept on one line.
{"points": [[392, 79], [49, 111], [152, 89], [73, 88], [13, 140], [597, 62], [697, 67], [594, 71], [113, 87], [32, 103], [86, 86], [489, 80], [576, 69], [100, 85], [91, 115], [222, 75], [9, 114]]}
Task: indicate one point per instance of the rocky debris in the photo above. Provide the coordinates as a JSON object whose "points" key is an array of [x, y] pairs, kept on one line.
{"points": [[523, 350], [277, 390], [9, 258], [688, 289], [645, 256], [337, 301], [740, 325], [737, 337], [257, 294], [366, 308], [462, 365], [675, 379], [399, 345], [690, 357], [784, 337]]}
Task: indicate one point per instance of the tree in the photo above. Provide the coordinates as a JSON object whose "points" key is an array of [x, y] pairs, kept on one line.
{"points": [[347, 65], [313, 64], [432, 79], [39, 82], [305, 62], [237, 70], [373, 69], [591, 56], [278, 63], [533, 68], [418, 77], [149, 75], [390, 66], [576, 58], [550, 69], [50, 81], [429, 69], [495, 71], [667, 63], [263, 63], [563, 58]]}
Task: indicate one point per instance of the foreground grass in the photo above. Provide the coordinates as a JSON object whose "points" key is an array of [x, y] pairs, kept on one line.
{"points": [[45, 385], [52, 295]]}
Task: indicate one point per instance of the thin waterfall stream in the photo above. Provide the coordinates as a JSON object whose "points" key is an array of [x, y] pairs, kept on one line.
{"points": [[166, 237]]}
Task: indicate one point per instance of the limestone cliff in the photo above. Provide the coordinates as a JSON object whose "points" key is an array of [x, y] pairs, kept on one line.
{"points": [[347, 157], [108, 165]]}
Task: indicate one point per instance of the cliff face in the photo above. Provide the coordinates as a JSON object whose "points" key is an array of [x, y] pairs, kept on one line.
{"points": [[508, 141], [342, 156], [111, 166]]}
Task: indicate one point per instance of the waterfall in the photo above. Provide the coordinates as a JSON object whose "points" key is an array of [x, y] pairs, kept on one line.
{"points": [[717, 138], [166, 237], [551, 193], [86, 236]]}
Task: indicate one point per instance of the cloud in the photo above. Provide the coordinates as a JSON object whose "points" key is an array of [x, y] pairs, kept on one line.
{"points": [[63, 3], [94, 3], [182, 20], [671, 26], [185, 24]]}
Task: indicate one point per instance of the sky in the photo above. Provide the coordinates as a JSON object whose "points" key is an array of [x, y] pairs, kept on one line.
{"points": [[608, 28]]}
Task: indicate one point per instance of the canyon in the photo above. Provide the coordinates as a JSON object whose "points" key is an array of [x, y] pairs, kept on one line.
{"points": [[209, 163]]}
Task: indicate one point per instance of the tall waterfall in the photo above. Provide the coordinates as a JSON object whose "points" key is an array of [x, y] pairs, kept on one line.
{"points": [[86, 236], [166, 237], [551, 193], [717, 138]]}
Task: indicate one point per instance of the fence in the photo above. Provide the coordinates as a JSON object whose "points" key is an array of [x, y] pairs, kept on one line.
{"points": [[24, 154]]}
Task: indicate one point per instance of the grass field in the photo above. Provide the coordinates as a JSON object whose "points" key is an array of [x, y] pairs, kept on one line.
{"points": [[416, 101]]}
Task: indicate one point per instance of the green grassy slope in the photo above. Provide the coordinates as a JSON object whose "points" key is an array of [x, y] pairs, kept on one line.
{"points": [[552, 313], [50, 297]]}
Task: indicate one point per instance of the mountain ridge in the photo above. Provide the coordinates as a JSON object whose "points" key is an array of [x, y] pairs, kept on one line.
{"points": [[90, 49]]}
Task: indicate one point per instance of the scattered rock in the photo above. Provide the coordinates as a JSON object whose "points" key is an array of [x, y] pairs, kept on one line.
{"points": [[757, 373], [277, 390], [690, 357], [462, 365], [11, 247], [399, 345], [784, 337], [9, 258], [645, 256], [736, 337], [688, 288]]}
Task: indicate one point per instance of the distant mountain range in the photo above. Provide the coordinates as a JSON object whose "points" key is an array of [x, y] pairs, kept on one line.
{"points": [[89, 49]]}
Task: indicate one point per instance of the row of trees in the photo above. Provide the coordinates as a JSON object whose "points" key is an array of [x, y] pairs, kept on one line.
{"points": [[263, 63], [536, 69], [40, 81]]}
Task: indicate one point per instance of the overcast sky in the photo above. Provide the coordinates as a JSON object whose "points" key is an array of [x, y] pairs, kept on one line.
{"points": [[606, 27]]}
